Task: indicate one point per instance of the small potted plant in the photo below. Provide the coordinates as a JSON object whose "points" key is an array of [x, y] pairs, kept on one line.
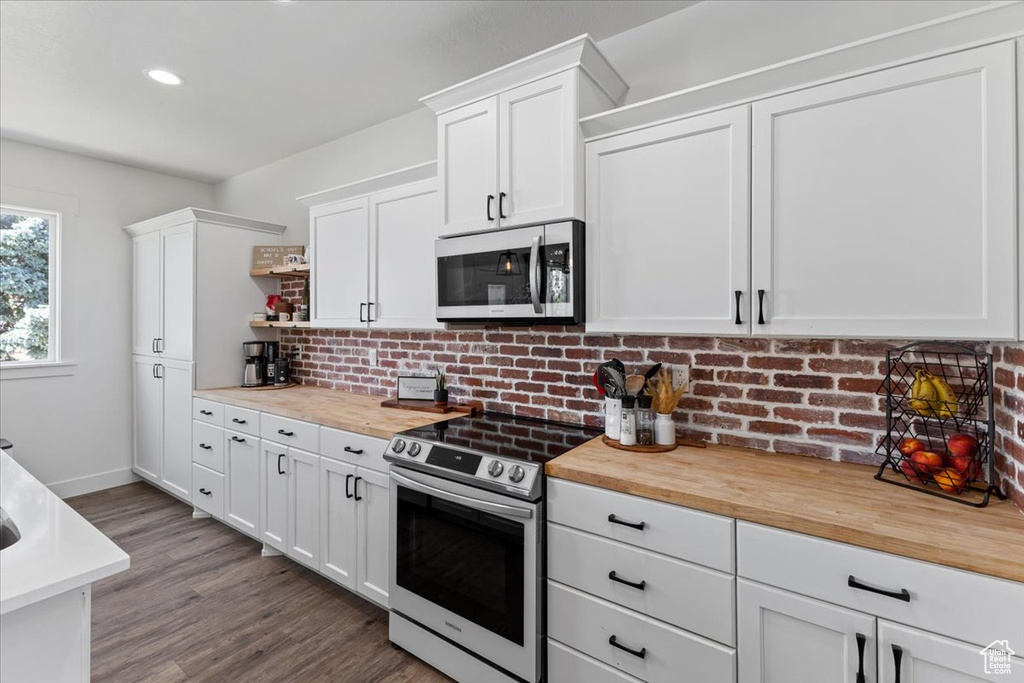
{"points": [[441, 390]]}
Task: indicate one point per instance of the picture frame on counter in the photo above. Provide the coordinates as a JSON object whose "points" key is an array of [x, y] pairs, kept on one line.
{"points": [[412, 387]]}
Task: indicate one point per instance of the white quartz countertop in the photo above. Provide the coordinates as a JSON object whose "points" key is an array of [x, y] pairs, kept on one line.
{"points": [[58, 550]]}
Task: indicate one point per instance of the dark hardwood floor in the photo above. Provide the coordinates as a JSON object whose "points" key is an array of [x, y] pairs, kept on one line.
{"points": [[200, 604]]}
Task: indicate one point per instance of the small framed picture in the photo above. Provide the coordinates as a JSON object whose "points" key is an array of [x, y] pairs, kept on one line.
{"points": [[417, 388]]}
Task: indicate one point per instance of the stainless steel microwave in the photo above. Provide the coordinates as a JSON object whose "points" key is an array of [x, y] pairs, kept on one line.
{"points": [[520, 275]]}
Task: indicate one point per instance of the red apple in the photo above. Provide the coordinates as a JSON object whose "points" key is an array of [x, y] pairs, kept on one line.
{"points": [[907, 468], [962, 444], [910, 445], [950, 481], [966, 465], [926, 462]]}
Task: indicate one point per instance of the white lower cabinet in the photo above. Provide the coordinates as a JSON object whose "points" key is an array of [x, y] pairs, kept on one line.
{"points": [[274, 494], [337, 522], [924, 657], [304, 507], [372, 496], [163, 423], [242, 488], [209, 494]]}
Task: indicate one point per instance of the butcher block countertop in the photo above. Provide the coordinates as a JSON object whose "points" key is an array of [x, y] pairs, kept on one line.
{"points": [[837, 501], [357, 413]]}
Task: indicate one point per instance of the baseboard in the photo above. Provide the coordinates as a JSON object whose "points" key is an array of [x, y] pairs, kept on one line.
{"points": [[93, 482]]}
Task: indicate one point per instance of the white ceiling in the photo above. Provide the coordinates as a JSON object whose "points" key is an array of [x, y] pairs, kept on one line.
{"points": [[263, 79]]}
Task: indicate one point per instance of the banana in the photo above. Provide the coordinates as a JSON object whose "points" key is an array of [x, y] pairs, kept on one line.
{"points": [[947, 404], [923, 392]]}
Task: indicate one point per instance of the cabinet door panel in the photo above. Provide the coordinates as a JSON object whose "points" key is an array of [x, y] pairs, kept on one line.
{"points": [[787, 638], [338, 538], [926, 657], [274, 495], [670, 202], [149, 419], [178, 291], [340, 263], [373, 513], [403, 229], [467, 166], [242, 502], [176, 472], [538, 127], [304, 507], [883, 205], [146, 314]]}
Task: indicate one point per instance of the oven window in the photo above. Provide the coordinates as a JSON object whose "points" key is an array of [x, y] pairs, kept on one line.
{"points": [[466, 561]]}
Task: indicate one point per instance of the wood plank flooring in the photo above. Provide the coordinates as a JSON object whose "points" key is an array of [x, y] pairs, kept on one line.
{"points": [[200, 604]]}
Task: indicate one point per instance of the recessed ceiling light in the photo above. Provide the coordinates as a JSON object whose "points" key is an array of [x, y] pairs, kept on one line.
{"points": [[165, 77]]}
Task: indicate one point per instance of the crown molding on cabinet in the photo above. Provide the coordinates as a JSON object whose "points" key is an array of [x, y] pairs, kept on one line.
{"points": [[366, 186], [991, 23], [579, 52], [193, 214]]}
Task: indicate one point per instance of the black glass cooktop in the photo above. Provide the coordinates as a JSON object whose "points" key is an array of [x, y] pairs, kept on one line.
{"points": [[523, 438]]}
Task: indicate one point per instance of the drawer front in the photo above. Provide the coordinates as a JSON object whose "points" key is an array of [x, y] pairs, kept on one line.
{"points": [[687, 595], [588, 624], [242, 420], [948, 601], [669, 529], [282, 430], [566, 665], [208, 445], [208, 490], [355, 449], [208, 411]]}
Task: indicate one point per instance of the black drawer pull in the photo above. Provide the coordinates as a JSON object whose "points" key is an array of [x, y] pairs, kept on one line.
{"points": [[355, 488], [641, 653], [902, 594], [353, 451], [238, 439], [348, 480], [861, 640], [897, 660], [614, 577], [634, 525], [284, 433], [238, 422], [205, 492], [279, 470], [205, 412], [205, 447]]}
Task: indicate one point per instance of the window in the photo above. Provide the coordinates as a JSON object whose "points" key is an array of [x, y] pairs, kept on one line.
{"points": [[28, 286]]}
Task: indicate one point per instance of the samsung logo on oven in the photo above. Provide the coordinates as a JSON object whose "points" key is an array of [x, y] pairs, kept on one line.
{"points": [[452, 626]]}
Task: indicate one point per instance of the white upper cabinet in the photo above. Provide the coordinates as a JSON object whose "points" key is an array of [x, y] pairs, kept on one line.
{"points": [[884, 205], [177, 275], [340, 265], [146, 293], [668, 246], [510, 151]]}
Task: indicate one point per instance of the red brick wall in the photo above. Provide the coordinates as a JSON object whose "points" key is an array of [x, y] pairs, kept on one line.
{"points": [[1009, 401]]}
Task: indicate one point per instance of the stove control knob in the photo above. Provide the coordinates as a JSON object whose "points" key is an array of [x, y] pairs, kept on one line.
{"points": [[414, 449], [495, 468], [516, 474], [398, 446]]}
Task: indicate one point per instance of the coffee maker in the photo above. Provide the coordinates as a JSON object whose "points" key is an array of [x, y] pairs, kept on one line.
{"points": [[271, 352], [255, 372]]}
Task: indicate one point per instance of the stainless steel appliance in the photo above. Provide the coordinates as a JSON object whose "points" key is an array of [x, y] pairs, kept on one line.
{"points": [[467, 543], [254, 374], [520, 275]]}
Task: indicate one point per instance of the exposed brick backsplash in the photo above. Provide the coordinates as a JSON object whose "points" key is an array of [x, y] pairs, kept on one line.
{"points": [[802, 396]]}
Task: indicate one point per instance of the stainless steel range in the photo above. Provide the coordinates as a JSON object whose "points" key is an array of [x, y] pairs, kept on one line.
{"points": [[467, 543]]}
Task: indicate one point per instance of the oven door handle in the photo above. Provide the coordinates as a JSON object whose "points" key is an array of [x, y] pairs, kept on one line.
{"points": [[482, 505], [535, 275]]}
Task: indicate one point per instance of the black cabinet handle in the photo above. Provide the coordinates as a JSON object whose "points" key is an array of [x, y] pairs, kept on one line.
{"points": [[160, 344], [154, 345], [760, 306], [861, 640], [639, 586], [205, 412], [279, 470], [284, 433], [490, 198], [348, 480], [362, 319], [238, 439], [155, 376], [501, 205], [634, 525], [353, 451], [641, 653], [159, 370], [355, 488], [739, 294], [897, 660], [205, 447], [238, 422], [902, 594], [205, 492], [369, 312]]}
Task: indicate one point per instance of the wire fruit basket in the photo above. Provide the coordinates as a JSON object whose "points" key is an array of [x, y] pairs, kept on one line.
{"points": [[940, 422]]}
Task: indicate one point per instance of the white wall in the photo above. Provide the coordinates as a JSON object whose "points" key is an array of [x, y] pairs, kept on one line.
{"points": [[74, 433]]}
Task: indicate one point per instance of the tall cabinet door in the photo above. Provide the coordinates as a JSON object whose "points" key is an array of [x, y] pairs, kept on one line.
{"points": [[373, 512], [178, 288], [925, 657], [467, 166], [242, 470], [668, 223], [340, 265], [883, 205], [304, 507], [149, 418], [538, 127], [146, 298], [274, 465], [403, 227], [337, 522], [176, 471], [787, 638]]}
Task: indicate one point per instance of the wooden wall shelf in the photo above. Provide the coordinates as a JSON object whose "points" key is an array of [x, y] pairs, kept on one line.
{"points": [[275, 323], [281, 271]]}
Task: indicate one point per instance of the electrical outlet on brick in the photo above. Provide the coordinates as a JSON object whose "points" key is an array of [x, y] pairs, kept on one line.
{"points": [[681, 376]]}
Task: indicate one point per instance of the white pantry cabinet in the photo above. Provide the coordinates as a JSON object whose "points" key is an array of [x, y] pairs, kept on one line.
{"points": [[668, 244], [162, 274], [162, 434], [510, 150]]}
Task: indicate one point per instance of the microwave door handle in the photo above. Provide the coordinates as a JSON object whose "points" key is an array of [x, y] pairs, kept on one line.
{"points": [[535, 275], [482, 505]]}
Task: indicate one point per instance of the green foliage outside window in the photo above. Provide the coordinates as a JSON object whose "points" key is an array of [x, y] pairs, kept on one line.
{"points": [[24, 287]]}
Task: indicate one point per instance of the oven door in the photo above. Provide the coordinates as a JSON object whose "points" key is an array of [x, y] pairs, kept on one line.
{"points": [[465, 564]]}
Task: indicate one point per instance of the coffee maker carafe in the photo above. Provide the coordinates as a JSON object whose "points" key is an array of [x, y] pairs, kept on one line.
{"points": [[254, 374]]}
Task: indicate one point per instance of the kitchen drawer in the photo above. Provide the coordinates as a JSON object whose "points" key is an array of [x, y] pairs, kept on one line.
{"points": [[355, 449], [242, 420], [670, 655], [566, 665], [960, 604], [208, 490], [670, 529], [208, 445], [288, 432], [208, 411], [687, 595]]}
